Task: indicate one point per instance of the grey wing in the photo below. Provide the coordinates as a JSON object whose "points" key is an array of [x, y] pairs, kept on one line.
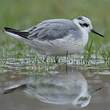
{"points": [[53, 29]]}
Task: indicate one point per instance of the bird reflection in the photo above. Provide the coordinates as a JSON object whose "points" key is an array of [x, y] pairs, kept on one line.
{"points": [[65, 84], [60, 87]]}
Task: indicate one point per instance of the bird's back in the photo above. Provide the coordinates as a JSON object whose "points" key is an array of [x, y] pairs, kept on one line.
{"points": [[53, 29]]}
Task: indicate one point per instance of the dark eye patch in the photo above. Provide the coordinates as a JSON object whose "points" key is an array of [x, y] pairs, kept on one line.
{"points": [[84, 24]]}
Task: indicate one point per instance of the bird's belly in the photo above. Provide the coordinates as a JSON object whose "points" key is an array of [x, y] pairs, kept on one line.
{"points": [[59, 47], [64, 49]]}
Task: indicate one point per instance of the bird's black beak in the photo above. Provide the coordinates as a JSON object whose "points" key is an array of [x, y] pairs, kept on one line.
{"points": [[97, 33]]}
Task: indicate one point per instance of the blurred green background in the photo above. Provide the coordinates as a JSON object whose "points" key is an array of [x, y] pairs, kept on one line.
{"points": [[22, 14]]}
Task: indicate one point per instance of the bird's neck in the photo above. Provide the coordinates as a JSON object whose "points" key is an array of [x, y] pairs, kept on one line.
{"points": [[85, 37], [84, 32]]}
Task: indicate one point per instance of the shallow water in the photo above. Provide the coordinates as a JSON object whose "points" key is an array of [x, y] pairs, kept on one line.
{"points": [[59, 87]]}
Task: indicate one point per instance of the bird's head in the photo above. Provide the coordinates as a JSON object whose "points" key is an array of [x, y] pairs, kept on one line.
{"points": [[84, 23]]}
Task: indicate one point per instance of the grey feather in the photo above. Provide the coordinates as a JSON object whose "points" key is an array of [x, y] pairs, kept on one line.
{"points": [[53, 29]]}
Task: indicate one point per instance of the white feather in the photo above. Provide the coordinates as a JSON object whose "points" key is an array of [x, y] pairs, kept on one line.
{"points": [[13, 35]]}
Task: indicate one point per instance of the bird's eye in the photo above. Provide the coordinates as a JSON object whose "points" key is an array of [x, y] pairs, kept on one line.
{"points": [[85, 25]]}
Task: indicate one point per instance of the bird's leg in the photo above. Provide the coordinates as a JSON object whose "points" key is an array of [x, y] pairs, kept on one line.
{"points": [[66, 55], [66, 60], [56, 59], [45, 58]]}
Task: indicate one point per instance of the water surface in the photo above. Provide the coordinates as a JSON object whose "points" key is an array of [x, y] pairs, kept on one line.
{"points": [[61, 86]]}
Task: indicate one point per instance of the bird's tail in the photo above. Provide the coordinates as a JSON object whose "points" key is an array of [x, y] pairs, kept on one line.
{"points": [[14, 88], [16, 33]]}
